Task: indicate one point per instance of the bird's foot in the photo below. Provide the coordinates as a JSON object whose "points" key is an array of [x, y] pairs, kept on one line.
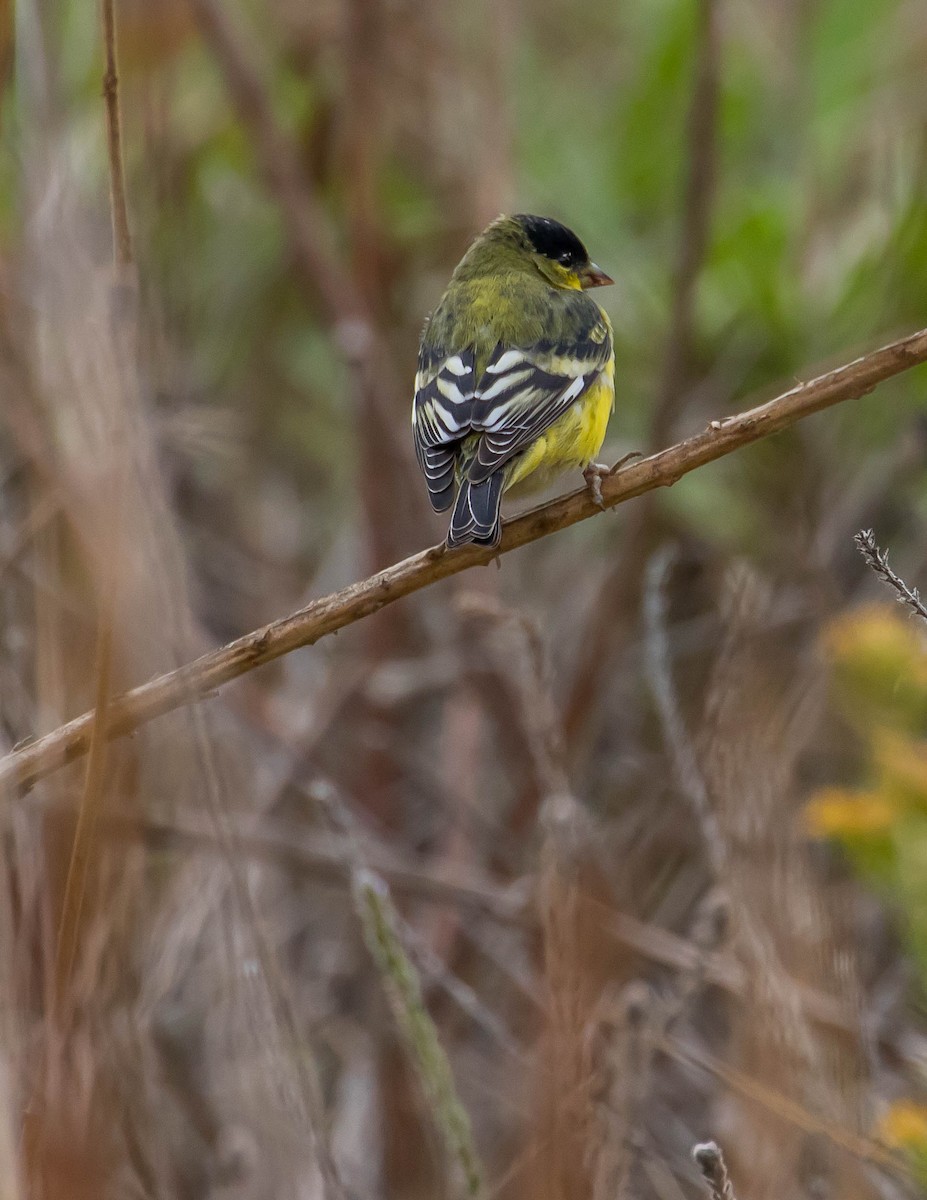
{"points": [[625, 458], [593, 475]]}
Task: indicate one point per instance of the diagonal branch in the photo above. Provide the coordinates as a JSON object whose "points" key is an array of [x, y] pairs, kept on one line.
{"points": [[188, 683]]}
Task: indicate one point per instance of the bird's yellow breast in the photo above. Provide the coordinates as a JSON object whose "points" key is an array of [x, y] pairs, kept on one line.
{"points": [[573, 440]]}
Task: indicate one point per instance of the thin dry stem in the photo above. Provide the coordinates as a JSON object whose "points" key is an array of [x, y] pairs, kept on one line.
{"points": [[274, 978], [695, 222], [311, 238], [877, 559], [689, 778], [711, 1163], [641, 1021], [636, 1066], [176, 688], [620, 593], [87, 816], [435, 972], [331, 861], [344, 296], [92, 796], [380, 924], [122, 238], [781, 1106]]}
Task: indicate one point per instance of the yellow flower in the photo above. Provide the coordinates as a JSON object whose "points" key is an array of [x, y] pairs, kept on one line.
{"points": [[903, 761], [880, 667], [904, 1125], [834, 812], [879, 633]]}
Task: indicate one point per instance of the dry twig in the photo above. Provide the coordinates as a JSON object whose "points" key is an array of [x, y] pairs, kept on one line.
{"points": [[689, 778], [776, 1104], [309, 232], [695, 222], [330, 613], [620, 592], [72, 906], [122, 240], [877, 559], [380, 923], [711, 1163]]}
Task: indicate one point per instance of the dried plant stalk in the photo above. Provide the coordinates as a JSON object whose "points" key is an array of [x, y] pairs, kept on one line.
{"points": [[122, 239], [380, 923], [714, 1170], [877, 559]]}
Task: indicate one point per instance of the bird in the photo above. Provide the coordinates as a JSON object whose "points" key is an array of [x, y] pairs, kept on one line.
{"points": [[516, 374]]}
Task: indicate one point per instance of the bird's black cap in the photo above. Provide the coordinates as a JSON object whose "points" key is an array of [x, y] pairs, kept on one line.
{"points": [[553, 240]]}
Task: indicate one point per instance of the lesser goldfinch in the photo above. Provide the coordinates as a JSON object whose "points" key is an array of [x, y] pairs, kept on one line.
{"points": [[516, 373]]}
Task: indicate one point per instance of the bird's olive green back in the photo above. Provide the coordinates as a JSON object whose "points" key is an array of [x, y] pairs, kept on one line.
{"points": [[514, 307]]}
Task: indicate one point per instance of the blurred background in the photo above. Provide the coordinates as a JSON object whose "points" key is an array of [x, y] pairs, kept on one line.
{"points": [[650, 801]]}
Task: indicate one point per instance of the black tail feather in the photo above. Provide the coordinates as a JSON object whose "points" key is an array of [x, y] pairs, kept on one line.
{"points": [[477, 512]]}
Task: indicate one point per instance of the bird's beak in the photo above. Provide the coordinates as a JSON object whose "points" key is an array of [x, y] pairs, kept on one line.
{"points": [[591, 276]]}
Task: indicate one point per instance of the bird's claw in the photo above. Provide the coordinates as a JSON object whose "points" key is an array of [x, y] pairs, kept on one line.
{"points": [[593, 475], [625, 458]]}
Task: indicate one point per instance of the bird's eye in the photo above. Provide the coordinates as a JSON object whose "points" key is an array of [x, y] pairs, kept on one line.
{"points": [[565, 259]]}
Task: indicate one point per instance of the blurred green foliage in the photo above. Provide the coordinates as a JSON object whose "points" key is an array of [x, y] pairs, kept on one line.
{"points": [[880, 664], [879, 657], [818, 234]]}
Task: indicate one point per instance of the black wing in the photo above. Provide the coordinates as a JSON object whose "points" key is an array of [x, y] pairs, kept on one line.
{"points": [[523, 392], [520, 394], [445, 387]]}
